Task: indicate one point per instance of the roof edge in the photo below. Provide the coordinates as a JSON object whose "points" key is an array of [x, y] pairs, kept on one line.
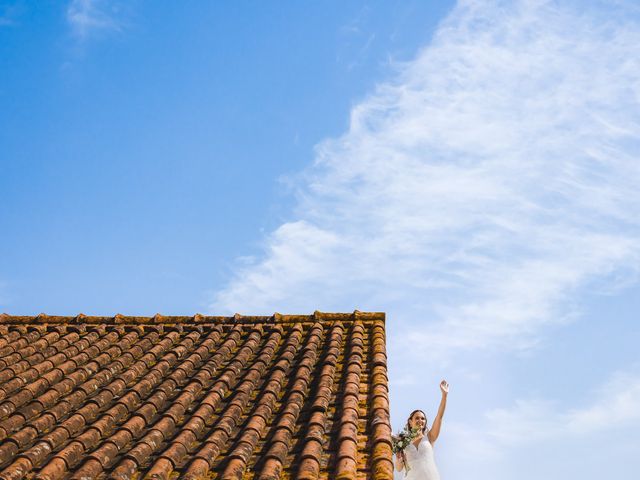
{"points": [[199, 319]]}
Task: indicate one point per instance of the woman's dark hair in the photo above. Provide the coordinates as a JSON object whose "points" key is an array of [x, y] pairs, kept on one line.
{"points": [[424, 429]]}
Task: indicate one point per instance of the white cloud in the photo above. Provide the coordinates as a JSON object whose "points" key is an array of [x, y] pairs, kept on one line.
{"points": [[616, 405], [90, 16], [539, 438], [480, 190]]}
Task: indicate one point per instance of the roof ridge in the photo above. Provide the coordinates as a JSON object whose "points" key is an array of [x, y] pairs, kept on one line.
{"points": [[199, 319]]}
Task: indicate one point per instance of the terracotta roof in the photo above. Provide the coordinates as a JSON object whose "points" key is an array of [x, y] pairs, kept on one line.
{"points": [[285, 396]]}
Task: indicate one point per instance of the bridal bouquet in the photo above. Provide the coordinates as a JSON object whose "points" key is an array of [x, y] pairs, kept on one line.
{"points": [[401, 441]]}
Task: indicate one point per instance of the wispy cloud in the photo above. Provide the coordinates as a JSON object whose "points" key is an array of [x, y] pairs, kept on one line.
{"points": [[542, 438], [615, 405], [356, 40], [480, 190], [87, 17]]}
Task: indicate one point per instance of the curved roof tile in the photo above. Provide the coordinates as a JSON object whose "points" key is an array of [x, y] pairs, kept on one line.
{"points": [[242, 397]]}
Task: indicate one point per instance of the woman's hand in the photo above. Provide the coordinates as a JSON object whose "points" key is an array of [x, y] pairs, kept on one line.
{"points": [[444, 387], [437, 422]]}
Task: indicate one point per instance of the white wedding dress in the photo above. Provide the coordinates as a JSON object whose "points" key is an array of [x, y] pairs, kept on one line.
{"points": [[422, 465]]}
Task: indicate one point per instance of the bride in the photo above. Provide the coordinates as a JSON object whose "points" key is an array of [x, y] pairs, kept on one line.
{"points": [[419, 454]]}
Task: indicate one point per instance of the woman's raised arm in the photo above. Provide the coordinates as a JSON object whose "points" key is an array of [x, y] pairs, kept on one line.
{"points": [[437, 422]]}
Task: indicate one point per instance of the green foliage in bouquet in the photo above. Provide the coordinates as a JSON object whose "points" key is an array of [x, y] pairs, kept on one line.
{"points": [[401, 441]]}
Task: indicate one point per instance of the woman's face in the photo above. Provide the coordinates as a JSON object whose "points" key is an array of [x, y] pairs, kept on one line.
{"points": [[418, 420]]}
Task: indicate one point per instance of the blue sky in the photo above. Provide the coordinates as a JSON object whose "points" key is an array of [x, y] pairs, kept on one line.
{"points": [[470, 168], [146, 142]]}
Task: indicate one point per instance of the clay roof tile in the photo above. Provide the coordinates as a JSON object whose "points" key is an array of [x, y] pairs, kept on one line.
{"points": [[301, 395]]}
